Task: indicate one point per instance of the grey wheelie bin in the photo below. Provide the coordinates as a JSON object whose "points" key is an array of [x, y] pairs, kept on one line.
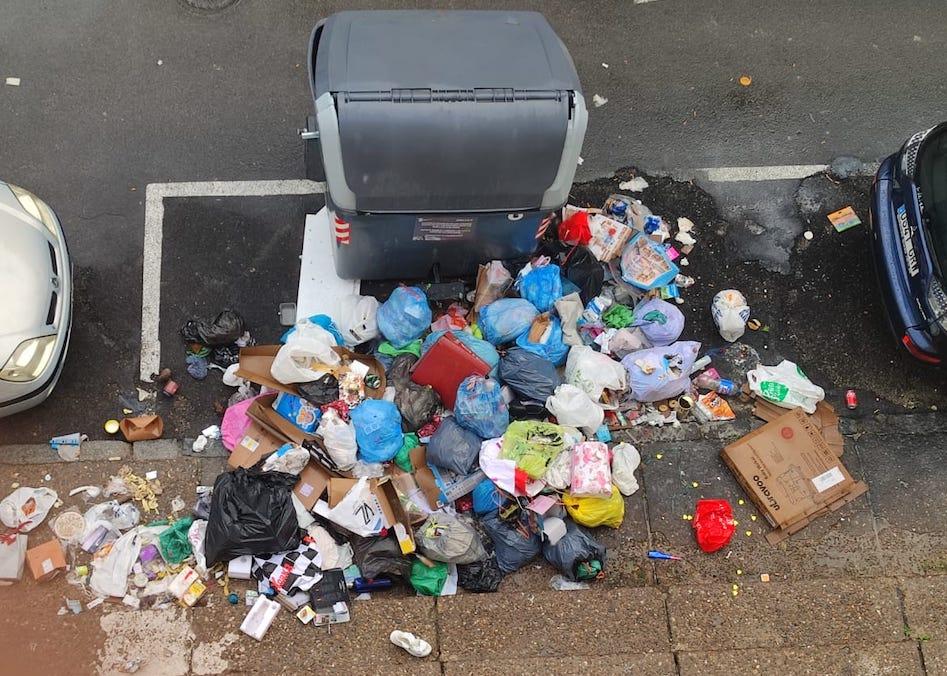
{"points": [[445, 138]]}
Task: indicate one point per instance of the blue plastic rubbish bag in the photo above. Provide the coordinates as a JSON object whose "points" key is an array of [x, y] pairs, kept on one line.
{"points": [[404, 316], [660, 372], [377, 430], [481, 348], [502, 321], [659, 321], [554, 349], [480, 407], [486, 498], [541, 286]]}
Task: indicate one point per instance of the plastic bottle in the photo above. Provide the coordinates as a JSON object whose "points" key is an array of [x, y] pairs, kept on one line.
{"points": [[719, 385], [561, 583]]}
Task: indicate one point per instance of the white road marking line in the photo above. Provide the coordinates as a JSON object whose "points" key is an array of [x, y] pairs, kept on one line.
{"points": [[773, 173], [642, 2], [155, 193]]}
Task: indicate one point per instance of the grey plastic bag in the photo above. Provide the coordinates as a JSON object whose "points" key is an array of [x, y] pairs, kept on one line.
{"points": [[416, 403], [450, 538], [529, 375], [454, 447], [513, 550]]}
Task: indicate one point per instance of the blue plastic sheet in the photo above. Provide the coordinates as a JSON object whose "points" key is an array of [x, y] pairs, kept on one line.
{"points": [[503, 321], [480, 407], [404, 316], [377, 430]]}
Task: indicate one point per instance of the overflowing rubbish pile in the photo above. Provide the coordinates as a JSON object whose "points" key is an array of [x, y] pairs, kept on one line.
{"points": [[444, 446]]}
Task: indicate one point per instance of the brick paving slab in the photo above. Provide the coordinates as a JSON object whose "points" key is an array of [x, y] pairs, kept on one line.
{"points": [[885, 658], [552, 624], [360, 646], [925, 606], [840, 543], [935, 657], [654, 664], [709, 617], [157, 449]]}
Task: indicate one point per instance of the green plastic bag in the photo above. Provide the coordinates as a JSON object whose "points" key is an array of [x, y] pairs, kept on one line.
{"points": [[389, 350], [173, 542], [618, 316], [532, 445], [403, 456], [429, 581]]}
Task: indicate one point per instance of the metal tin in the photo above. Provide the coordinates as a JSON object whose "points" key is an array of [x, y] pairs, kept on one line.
{"points": [[851, 399]]}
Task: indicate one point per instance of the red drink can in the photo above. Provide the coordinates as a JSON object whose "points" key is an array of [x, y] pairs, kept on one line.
{"points": [[851, 399]]}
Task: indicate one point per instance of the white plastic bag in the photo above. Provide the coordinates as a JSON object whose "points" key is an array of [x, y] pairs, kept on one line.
{"points": [[356, 319], [625, 460], [288, 458], [307, 346], [785, 385], [559, 472], [572, 406], [593, 371], [730, 313], [195, 535], [358, 511], [110, 574], [25, 508], [339, 439], [333, 555]]}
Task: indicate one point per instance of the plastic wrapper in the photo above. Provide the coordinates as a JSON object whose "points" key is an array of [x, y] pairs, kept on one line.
{"points": [[660, 322], [593, 372], [454, 447], [593, 512], [577, 555], [541, 286], [570, 308], [377, 430], [532, 445], [338, 437], [449, 538], [530, 375], [225, 328], [645, 263], [625, 460], [483, 575], [661, 372], [250, 513], [299, 412], [550, 344], [730, 313], [404, 316], [504, 320], [513, 549], [713, 524], [785, 385], [591, 471], [480, 407], [572, 406], [173, 542]]}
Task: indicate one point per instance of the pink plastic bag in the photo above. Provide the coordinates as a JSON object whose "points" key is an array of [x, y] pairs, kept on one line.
{"points": [[235, 423], [591, 470]]}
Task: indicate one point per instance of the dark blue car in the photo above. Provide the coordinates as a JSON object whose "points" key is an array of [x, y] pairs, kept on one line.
{"points": [[909, 242]]}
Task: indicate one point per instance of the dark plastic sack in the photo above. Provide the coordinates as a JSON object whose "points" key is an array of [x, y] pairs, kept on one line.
{"points": [[226, 328], [482, 576], [379, 557], [377, 430], [416, 403], [585, 272], [502, 321], [454, 447], [577, 554], [528, 374], [251, 513], [225, 355], [512, 549], [554, 349], [541, 286], [320, 392], [480, 407]]}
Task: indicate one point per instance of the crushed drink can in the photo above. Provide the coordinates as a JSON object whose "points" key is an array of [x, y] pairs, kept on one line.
{"points": [[851, 399]]}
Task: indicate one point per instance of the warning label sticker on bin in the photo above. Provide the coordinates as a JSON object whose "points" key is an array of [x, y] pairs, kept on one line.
{"points": [[442, 228]]}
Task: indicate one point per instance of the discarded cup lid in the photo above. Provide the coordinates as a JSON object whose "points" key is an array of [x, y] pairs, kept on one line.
{"points": [[111, 426]]}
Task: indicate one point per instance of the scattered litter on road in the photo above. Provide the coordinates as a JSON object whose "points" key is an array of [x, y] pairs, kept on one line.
{"points": [[844, 219], [598, 101], [13, 81], [636, 184]]}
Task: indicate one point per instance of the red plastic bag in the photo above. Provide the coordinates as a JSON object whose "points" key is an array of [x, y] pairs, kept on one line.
{"points": [[713, 524], [575, 229]]}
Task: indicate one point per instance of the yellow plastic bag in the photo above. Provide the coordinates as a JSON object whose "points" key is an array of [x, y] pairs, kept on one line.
{"points": [[593, 512]]}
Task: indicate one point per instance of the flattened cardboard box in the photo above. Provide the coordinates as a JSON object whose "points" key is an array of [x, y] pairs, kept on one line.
{"points": [[825, 419], [256, 443], [791, 474]]}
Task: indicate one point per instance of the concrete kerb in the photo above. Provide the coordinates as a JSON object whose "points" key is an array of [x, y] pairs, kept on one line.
{"points": [[39, 454]]}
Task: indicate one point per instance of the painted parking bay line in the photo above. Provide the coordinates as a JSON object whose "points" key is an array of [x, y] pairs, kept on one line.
{"points": [[150, 361]]}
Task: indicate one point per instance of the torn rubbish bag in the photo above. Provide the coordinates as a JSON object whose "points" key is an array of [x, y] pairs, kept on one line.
{"points": [[661, 372], [713, 524], [577, 555], [251, 513], [514, 547], [454, 447], [531, 376], [25, 508], [110, 574], [449, 538], [227, 327], [289, 572]]}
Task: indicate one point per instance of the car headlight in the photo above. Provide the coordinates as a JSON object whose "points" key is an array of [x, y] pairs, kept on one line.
{"points": [[29, 359], [36, 208], [937, 300]]}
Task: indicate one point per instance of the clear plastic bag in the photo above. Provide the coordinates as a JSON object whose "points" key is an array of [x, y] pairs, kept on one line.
{"points": [[338, 437], [404, 316], [572, 406], [593, 371], [297, 360], [480, 407]]}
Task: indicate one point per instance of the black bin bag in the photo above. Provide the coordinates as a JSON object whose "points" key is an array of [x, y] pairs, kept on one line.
{"points": [[454, 447], [513, 550], [251, 513], [481, 576], [532, 377], [577, 554]]}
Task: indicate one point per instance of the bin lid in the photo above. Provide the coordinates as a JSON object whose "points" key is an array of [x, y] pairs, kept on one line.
{"points": [[445, 111], [363, 51]]}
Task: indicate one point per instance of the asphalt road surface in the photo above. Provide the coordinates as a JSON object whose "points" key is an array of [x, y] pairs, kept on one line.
{"points": [[116, 95]]}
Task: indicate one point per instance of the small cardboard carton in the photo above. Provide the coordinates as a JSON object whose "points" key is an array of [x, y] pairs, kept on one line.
{"points": [[45, 561], [257, 443], [790, 473], [313, 482]]}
